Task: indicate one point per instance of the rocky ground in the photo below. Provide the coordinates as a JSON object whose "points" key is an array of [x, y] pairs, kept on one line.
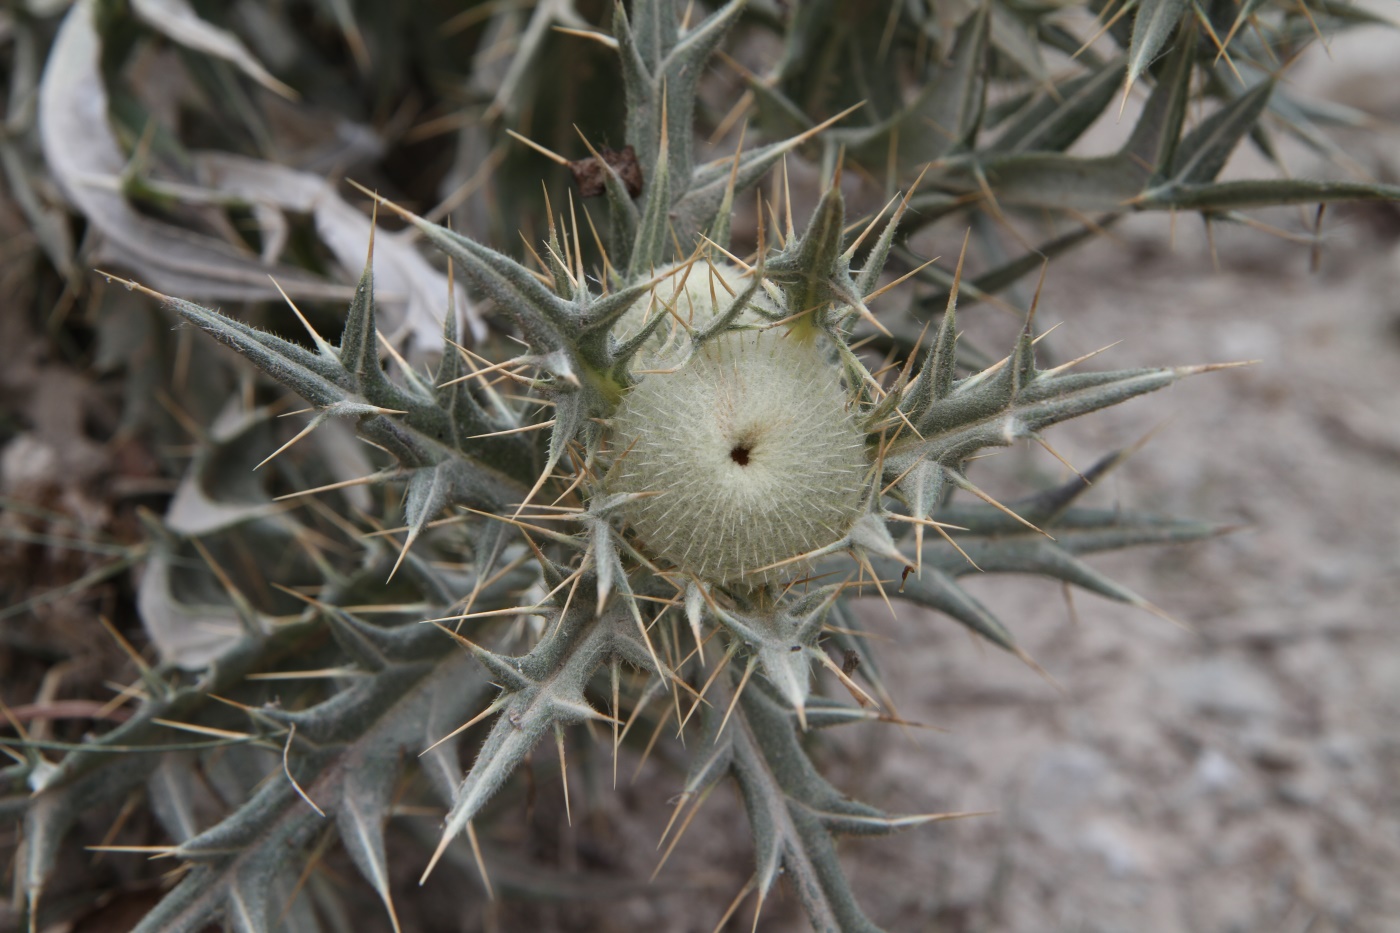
{"points": [[1241, 773]]}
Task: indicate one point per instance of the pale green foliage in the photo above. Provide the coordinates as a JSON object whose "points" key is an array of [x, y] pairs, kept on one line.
{"points": [[627, 525]]}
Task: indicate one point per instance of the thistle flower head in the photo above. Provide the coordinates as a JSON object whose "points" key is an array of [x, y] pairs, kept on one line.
{"points": [[753, 454], [694, 294]]}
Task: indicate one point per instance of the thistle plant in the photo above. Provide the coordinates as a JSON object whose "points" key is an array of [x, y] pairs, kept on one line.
{"points": [[664, 500]]}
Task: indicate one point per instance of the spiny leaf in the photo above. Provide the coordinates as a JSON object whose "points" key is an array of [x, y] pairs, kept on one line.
{"points": [[942, 119], [363, 809], [1237, 195], [556, 673], [1204, 151], [784, 640], [784, 797], [1052, 122], [1153, 25], [811, 269], [541, 315], [994, 410], [648, 249], [935, 589], [1158, 130], [319, 380], [662, 70], [998, 279], [241, 856]]}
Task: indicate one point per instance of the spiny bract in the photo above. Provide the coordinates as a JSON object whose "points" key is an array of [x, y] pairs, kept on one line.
{"points": [[689, 297]]}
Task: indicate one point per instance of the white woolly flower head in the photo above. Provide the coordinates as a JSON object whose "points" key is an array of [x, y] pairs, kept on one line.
{"points": [[695, 294], [752, 452]]}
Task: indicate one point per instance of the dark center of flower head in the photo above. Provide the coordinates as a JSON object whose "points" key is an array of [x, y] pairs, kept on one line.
{"points": [[740, 454]]}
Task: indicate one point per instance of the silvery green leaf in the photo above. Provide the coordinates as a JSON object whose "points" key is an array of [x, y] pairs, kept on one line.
{"points": [[1157, 132], [428, 493], [1239, 195], [363, 810], [1052, 122], [362, 735], [1100, 183], [55, 808], [935, 589], [1014, 33], [1153, 25], [651, 243], [1204, 151], [543, 689], [238, 886], [945, 115], [783, 795], [662, 69], [996, 280]]}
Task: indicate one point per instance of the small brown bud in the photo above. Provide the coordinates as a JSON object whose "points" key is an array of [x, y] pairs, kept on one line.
{"points": [[590, 175]]}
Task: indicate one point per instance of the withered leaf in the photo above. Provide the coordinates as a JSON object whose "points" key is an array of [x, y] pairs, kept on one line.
{"points": [[590, 174]]}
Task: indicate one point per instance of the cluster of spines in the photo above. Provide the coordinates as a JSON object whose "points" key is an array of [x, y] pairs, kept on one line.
{"points": [[775, 633]]}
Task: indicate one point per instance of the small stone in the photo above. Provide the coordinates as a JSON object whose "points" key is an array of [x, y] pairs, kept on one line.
{"points": [[1225, 686], [1214, 772], [1343, 751], [1122, 852], [1065, 783], [26, 463], [1305, 790]]}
